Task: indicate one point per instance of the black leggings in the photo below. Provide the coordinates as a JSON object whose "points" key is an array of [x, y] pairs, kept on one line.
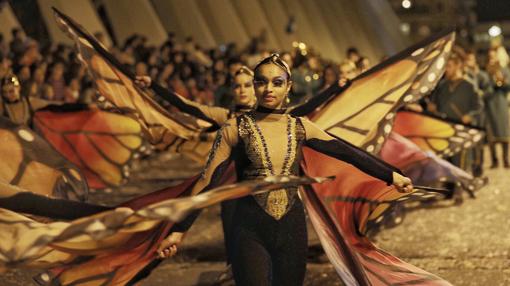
{"points": [[266, 251], [227, 216]]}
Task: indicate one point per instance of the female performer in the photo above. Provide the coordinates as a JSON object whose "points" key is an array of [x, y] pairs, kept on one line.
{"points": [[269, 237], [15, 106], [245, 100]]}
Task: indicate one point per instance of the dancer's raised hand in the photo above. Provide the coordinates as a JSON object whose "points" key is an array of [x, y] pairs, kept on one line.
{"points": [[168, 247], [143, 81], [403, 184]]}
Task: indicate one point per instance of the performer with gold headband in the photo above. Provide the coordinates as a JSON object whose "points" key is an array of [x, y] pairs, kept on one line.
{"points": [[18, 108], [15, 106], [245, 100], [269, 231]]}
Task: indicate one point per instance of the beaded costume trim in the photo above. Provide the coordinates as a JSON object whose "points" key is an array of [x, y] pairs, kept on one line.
{"points": [[214, 149], [278, 202]]}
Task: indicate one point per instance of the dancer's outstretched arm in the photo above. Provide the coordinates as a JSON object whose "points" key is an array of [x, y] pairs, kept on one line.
{"points": [[323, 142], [212, 114], [217, 163]]}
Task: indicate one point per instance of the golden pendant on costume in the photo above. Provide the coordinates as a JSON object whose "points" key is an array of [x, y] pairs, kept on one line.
{"points": [[277, 203]]}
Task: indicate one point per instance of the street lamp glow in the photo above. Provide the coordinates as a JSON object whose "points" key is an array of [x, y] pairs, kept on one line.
{"points": [[494, 31], [406, 4], [405, 28]]}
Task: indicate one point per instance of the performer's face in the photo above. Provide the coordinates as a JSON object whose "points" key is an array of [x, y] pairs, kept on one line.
{"points": [[10, 92], [272, 85], [244, 94], [348, 71]]}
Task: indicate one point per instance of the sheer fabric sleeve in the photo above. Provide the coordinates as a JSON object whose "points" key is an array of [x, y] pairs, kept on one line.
{"points": [[212, 114], [323, 142], [219, 159]]}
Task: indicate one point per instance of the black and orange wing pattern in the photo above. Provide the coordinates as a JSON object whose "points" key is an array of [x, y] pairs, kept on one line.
{"points": [[369, 104], [34, 166], [343, 210], [115, 84], [102, 144], [195, 150], [124, 236], [424, 167], [431, 133]]}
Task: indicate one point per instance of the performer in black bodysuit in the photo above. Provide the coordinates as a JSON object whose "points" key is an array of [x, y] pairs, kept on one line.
{"points": [[244, 101], [269, 241]]}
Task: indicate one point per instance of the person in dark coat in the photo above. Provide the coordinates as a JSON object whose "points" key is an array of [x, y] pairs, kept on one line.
{"points": [[496, 106]]}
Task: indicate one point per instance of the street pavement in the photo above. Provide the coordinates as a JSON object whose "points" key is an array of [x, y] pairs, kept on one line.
{"points": [[467, 244]]}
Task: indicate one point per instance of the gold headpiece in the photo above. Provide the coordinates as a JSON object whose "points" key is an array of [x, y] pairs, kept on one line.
{"points": [[244, 70], [9, 79], [275, 59]]}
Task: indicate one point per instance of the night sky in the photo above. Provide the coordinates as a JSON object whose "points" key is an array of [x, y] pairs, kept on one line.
{"points": [[493, 10]]}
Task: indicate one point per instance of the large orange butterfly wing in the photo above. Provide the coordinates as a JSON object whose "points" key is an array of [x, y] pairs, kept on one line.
{"points": [[431, 133], [101, 143], [116, 86], [123, 230], [343, 210], [364, 112], [31, 164]]}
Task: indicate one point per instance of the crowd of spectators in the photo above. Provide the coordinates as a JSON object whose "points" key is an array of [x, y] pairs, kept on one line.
{"points": [[204, 75]]}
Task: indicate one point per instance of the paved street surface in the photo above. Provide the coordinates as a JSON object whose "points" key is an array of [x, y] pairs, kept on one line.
{"points": [[467, 244]]}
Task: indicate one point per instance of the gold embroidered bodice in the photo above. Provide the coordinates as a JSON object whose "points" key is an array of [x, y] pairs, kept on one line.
{"points": [[270, 147], [263, 144]]}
